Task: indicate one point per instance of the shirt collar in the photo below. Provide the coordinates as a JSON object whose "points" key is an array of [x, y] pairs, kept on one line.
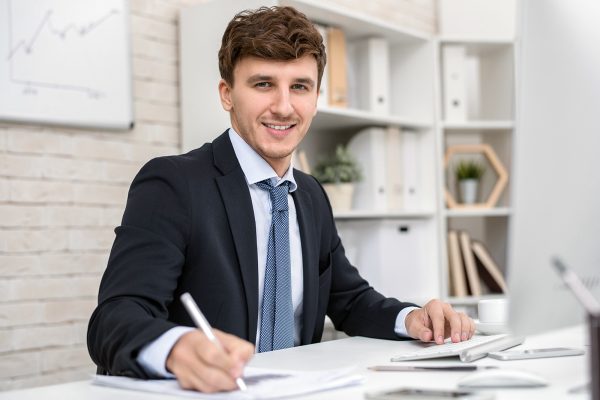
{"points": [[255, 168]]}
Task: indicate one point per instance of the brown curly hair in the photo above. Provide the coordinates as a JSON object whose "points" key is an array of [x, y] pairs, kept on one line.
{"points": [[274, 33]]}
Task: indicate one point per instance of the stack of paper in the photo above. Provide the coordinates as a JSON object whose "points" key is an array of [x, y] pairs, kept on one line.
{"points": [[262, 384]]}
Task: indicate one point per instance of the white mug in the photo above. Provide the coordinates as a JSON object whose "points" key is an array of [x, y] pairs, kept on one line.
{"points": [[493, 311]]}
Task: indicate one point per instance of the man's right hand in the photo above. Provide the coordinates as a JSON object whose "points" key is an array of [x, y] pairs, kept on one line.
{"points": [[202, 365]]}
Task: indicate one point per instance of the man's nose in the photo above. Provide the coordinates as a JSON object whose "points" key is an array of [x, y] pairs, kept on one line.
{"points": [[282, 103]]}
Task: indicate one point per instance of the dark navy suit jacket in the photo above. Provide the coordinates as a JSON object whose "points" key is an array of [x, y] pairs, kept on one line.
{"points": [[189, 227]]}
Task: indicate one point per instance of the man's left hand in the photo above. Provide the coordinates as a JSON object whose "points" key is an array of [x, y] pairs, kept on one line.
{"points": [[437, 321]]}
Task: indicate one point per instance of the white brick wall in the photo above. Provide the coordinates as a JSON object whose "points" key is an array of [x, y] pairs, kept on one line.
{"points": [[62, 192]]}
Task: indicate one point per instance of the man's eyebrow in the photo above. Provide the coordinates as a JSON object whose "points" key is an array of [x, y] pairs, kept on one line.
{"points": [[258, 78], [261, 77], [307, 81]]}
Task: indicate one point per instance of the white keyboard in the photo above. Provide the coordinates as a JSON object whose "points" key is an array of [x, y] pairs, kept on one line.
{"points": [[475, 348]]}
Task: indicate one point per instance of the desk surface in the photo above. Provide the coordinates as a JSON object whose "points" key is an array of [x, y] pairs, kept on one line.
{"points": [[564, 373]]}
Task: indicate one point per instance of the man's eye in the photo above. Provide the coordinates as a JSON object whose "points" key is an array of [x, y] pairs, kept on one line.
{"points": [[263, 84], [299, 86]]}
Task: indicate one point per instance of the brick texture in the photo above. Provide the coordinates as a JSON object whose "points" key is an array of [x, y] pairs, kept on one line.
{"points": [[62, 192]]}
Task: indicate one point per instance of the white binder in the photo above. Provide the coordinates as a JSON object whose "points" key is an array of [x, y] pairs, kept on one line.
{"points": [[372, 75], [369, 148], [411, 184], [394, 169], [454, 83]]}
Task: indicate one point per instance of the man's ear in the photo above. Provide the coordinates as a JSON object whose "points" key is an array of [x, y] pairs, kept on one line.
{"points": [[225, 95]]}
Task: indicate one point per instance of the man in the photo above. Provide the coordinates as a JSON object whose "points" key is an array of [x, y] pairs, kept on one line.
{"points": [[252, 239]]}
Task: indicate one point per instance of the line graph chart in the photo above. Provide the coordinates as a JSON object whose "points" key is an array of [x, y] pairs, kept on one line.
{"points": [[65, 62], [27, 45], [46, 25]]}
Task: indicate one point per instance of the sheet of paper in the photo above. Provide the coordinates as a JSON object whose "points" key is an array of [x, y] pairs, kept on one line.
{"points": [[262, 384]]}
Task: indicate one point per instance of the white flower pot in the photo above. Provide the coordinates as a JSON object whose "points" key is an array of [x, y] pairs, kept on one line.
{"points": [[468, 190], [340, 195]]}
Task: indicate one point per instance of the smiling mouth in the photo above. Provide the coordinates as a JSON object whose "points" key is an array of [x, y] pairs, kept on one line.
{"points": [[279, 127]]}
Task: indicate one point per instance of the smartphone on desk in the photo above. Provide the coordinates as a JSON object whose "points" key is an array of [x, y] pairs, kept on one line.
{"points": [[427, 394], [535, 353]]}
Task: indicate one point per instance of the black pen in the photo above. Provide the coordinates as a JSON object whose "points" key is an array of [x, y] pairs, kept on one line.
{"points": [[430, 367]]}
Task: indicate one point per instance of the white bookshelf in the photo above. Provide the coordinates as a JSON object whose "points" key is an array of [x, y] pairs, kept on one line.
{"points": [[483, 126], [486, 212], [407, 242], [473, 300], [487, 36], [335, 118], [481, 45], [357, 215]]}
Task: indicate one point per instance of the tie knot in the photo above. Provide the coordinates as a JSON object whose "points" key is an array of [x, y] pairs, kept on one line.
{"points": [[278, 194]]}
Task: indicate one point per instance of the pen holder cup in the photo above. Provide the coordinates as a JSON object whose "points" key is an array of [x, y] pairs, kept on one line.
{"points": [[594, 321]]}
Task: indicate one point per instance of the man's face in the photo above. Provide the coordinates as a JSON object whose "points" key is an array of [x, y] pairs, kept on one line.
{"points": [[272, 104]]}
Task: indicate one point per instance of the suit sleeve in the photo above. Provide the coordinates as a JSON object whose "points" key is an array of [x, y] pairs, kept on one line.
{"points": [[144, 266]]}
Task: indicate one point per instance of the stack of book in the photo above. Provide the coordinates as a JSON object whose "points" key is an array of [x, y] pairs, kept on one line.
{"points": [[472, 270]]}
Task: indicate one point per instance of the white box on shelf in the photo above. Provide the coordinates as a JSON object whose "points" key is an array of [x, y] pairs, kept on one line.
{"points": [[392, 256]]}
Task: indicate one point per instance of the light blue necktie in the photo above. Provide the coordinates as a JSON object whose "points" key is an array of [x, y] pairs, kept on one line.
{"points": [[277, 314]]}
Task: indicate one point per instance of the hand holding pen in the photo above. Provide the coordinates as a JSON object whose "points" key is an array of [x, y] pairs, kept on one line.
{"points": [[206, 359]]}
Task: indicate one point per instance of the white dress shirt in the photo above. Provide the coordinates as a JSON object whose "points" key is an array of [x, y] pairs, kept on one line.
{"points": [[154, 355]]}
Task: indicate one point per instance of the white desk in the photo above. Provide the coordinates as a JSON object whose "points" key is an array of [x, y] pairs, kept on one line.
{"points": [[563, 373]]}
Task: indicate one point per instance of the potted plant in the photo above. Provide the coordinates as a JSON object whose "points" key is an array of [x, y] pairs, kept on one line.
{"points": [[338, 173], [468, 173]]}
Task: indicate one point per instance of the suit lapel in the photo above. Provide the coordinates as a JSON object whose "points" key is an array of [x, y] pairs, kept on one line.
{"points": [[238, 206], [304, 210]]}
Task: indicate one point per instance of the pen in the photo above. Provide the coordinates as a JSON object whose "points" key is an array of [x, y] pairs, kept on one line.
{"points": [[201, 322], [430, 367]]}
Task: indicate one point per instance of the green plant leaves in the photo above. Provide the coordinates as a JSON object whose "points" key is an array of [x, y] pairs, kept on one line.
{"points": [[341, 167]]}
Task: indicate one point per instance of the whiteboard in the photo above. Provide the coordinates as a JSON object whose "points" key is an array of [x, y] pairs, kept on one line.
{"points": [[66, 62]]}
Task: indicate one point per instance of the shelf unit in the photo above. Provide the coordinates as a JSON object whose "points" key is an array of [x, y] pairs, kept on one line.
{"points": [[483, 126], [402, 252], [472, 300], [486, 212], [358, 214], [336, 118], [488, 48]]}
